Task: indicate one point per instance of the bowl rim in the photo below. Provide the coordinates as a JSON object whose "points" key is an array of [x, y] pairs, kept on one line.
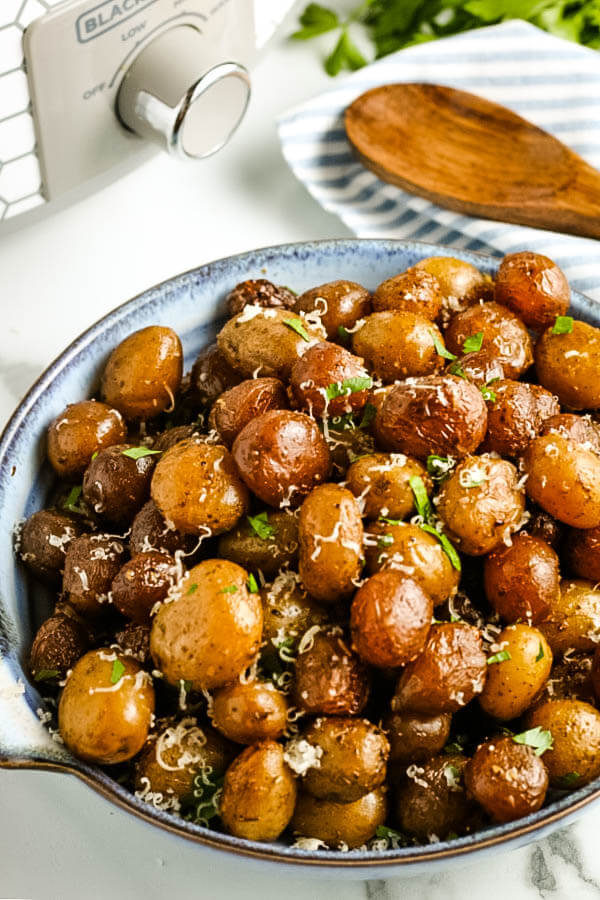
{"points": [[492, 836]]}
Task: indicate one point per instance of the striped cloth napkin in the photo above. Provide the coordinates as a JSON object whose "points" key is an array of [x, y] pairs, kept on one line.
{"points": [[551, 82]]}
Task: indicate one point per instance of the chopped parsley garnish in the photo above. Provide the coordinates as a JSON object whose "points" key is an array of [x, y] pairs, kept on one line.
{"points": [[46, 674], [439, 467], [192, 589], [117, 671], [385, 540], [457, 369], [454, 747], [440, 349], [343, 333], [488, 395], [205, 797], [570, 779], [390, 521], [297, 326], [540, 653], [537, 738], [390, 834], [369, 413], [139, 452], [260, 525], [502, 656], [252, 584], [447, 546], [94, 454], [348, 386], [72, 501], [425, 510], [473, 343], [229, 589], [563, 325]]}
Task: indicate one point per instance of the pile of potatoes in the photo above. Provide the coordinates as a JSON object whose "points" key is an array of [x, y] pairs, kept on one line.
{"points": [[340, 581]]}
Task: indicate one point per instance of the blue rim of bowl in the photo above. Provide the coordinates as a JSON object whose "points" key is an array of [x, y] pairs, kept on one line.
{"points": [[509, 833]]}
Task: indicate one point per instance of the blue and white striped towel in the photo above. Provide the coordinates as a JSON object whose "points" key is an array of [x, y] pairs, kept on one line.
{"points": [[551, 82]]}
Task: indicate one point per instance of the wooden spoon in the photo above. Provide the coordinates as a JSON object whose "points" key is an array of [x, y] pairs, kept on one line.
{"points": [[476, 157]]}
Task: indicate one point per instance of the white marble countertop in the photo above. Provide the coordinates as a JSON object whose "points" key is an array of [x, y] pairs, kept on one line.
{"points": [[58, 839]]}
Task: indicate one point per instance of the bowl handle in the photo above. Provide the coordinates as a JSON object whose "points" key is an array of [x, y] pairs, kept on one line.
{"points": [[25, 740]]}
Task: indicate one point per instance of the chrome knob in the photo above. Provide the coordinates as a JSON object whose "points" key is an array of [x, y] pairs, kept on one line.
{"points": [[167, 97]]}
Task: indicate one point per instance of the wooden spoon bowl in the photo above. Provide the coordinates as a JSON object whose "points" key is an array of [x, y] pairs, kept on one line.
{"points": [[467, 154]]}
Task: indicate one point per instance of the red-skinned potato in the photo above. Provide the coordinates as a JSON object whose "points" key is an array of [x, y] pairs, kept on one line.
{"points": [[329, 678], [416, 291], [242, 403], [80, 431], [522, 580], [329, 380], [340, 304], [516, 413], [503, 333], [533, 287]]}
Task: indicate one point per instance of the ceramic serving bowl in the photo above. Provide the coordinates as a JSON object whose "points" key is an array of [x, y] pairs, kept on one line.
{"points": [[193, 304]]}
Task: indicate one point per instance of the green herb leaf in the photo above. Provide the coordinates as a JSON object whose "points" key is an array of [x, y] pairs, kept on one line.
{"points": [[488, 395], [316, 20], [447, 546], [563, 325], [46, 674], [187, 686], [205, 798], [457, 369], [95, 454], [71, 503], [390, 521], [440, 349], [454, 747], [252, 584], [230, 589], [422, 504], [502, 656], [395, 838], [345, 55], [192, 589], [540, 653], [439, 467], [369, 413], [297, 326], [117, 671], [139, 452], [473, 343], [349, 386], [570, 779], [343, 334], [537, 738], [386, 540], [260, 526]]}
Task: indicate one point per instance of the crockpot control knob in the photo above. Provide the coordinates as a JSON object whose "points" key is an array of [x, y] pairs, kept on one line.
{"points": [[168, 98]]}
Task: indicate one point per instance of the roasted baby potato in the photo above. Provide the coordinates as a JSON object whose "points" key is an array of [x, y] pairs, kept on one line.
{"points": [[415, 737], [233, 409], [339, 304], [340, 824], [248, 712], [574, 617], [461, 283], [329, 679], [58, 644], [116, 484], [507, 779], [267, 541], [533, 287], [416, 291], [564, 479], [503, 334], [43, 541], [330, 381], [381, 482], [80, 431], [517, 672], [288, 612], [522, 580], [211, 375], [574, 758], [582, 551], [91, 563], [433, 799], [579, 429], [398, 343], [516, 413], [150, 531], [567, 364], [141, 583]]}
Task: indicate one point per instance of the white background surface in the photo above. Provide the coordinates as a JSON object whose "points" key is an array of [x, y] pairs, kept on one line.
{"points": [[59, 840]]}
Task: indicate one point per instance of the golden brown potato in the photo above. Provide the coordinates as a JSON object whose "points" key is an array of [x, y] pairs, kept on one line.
{"points": [[568, 364], [259, 793], [449, 672], [330, 534], [143, 373], [479, 366], [105, 708], [461, 283], [43, 541], [233, 409], [91, 563], [210, 631], [574, 759], [397, 344], [516, 413], [533, 287], [502, 332], [288, 613], [281, 456], [415, 737], [574, 617], [522, 580], [196, 487], [330, 381], [414, 552], [340, 304], [443, 415], [507, 779], [267, 541], [416, 290], [259, 292], [211, 375], [481, 504], [350, 758], [174, 756], [58, 644], [116, 485], [433, 799], [329, 678], [595, 674], [390, 619], [340, 824], [564, 479], [265, 342], [142, 582], [582, 552], [579, 429], [80, 431], [248, 712], [517, 671], [382, 482]]}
